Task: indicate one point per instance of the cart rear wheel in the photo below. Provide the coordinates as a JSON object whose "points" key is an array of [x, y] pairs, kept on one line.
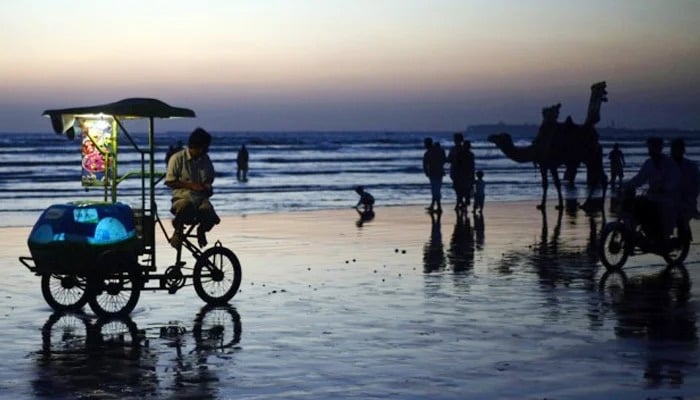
{"points": [[217, 275], [613, 248], [64, 292], [115, 294]]}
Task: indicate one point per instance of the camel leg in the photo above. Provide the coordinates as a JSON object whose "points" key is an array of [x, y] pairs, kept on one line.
{"points": [[545, 183], [557, 185]]}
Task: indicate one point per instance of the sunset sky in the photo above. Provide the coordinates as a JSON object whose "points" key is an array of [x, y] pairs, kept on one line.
{"points": [[355, 64]]}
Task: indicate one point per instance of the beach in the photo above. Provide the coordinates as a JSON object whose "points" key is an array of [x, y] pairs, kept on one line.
{"points": [[504, 306]]}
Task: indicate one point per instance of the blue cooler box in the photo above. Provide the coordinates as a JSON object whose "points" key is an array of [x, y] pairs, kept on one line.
{"points": [[80, 237]]}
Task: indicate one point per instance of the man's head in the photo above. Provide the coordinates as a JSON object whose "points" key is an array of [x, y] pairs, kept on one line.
{"points": [[428, 142], [678, 149], [655, 146], [199, 142], [458, 138]]}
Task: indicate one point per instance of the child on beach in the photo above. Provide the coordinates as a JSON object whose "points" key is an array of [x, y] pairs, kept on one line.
{"points": [[479, 191], [366, 199]]}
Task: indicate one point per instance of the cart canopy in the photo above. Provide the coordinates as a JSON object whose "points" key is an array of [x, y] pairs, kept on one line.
{"points": [[62, 119]]}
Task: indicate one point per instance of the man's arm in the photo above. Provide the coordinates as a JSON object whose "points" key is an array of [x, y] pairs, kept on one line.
{"points": [[641, 178]]}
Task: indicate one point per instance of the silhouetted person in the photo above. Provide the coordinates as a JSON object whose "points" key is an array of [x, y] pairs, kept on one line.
{"points": [[457, 160], [434, 168], [617, 165], [242, 163], [689, 186], [172, 149], [365, 216], [657, 210], [366, 200], [468, 173], [479, 191], [190, 175]]}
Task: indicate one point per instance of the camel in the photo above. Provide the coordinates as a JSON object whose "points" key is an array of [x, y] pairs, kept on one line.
{"points": [[563, 144]]}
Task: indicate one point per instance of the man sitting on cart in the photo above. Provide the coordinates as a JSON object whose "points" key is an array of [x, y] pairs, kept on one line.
{"points": [[190, 175]]}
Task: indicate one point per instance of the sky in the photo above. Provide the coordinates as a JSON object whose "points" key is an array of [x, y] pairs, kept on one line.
{"points": [[395, 65]]}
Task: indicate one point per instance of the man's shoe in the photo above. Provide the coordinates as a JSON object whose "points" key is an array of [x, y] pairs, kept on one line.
{"points": [[201, 238], [175, 240]]}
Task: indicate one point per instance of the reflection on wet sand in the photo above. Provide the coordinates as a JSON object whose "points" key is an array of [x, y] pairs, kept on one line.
{"points": [[114, 358], [433, 252], [554, 261], [655, 308], [461, 251]]}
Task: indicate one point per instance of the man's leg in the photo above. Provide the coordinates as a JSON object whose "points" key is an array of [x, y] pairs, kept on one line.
{"points": [[184, 212], [207, 219]]}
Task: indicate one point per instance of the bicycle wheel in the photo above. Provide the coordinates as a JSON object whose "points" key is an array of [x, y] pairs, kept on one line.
{"points": [[613, 247], [679, 251], [217, 275], [64, 292], [115, 294]]}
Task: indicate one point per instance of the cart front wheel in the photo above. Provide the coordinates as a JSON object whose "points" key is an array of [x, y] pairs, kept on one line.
{"points": [[217, 275], [64, 292], [115, 294]]}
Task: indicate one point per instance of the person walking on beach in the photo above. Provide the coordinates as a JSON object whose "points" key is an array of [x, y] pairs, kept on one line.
{"points": [[617, 165], [242, 163], [479, 194], [434, 168], [191, 175], [468, 173], [457, 161], [366, 200]]}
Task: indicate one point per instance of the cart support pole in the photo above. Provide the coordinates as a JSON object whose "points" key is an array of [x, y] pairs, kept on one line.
{"points": [[151, 181]]}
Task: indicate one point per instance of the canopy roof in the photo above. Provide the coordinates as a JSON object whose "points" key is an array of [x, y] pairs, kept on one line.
{"points": [[62, 119]]}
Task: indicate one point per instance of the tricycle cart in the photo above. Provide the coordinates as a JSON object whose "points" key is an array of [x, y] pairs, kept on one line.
{"points": [[104, 252]]}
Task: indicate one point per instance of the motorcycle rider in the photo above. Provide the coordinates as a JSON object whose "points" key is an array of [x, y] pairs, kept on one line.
{"points": [[657, 211]]}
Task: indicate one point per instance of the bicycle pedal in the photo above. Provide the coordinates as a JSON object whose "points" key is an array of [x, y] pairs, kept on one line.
{"points": [[172, 290]]}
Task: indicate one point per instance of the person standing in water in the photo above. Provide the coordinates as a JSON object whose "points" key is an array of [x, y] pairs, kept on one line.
{"points": [[242, 163], [617, 165]]}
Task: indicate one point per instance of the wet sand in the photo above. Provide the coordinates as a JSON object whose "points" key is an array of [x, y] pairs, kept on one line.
{"points": [[508, 306]]}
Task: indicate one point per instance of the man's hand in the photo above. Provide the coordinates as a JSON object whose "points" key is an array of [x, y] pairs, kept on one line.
{"points": [[198, 187]]}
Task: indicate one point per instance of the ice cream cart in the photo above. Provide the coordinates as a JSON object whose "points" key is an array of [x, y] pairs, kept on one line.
{"points": [[103, 252]]}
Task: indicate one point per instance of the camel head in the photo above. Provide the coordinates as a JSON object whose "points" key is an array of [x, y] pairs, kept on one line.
{"points": [[599, 95], [599, 91], [501, 140], [504, 142]]}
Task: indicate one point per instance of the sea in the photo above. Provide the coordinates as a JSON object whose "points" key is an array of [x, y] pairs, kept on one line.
{"points": [[292, 171]]}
